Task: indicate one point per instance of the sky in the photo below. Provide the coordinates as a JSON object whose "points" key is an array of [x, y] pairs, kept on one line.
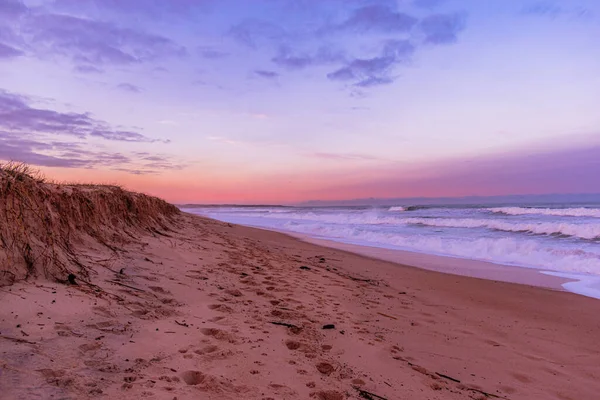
{"points": [[283, 101]]}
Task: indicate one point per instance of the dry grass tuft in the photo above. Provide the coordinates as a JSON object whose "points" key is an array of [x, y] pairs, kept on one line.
{"points": [[46, 227]]}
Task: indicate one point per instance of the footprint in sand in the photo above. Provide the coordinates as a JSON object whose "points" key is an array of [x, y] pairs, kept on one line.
{"points": [[159, 289], [221, 308], [218, 334], [193, 377], [292, 344], [330, 395], [325, 368]]}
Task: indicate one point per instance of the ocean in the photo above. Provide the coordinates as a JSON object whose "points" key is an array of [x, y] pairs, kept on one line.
{"points": [[562, 240]]}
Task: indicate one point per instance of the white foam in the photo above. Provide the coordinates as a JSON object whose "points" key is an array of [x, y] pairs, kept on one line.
{"points": [[558, 212], [582, 230], [509, 250], [397, 208], [585, 285]]}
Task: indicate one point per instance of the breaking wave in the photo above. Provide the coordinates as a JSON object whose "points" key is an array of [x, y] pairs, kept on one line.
{"points": [[558, 212], [509, 250], [583, 231], [397, 208]]}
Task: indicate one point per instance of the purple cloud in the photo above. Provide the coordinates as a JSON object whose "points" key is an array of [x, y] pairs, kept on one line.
{"points": [[374, 81], [37, 150], [87, 69], [17, 116], [128, 87], [400, 50], [98, 43], [152, 8], [7, 51], [427, 3], [376, 71], [344, 156], [442, 28], [364, 69], [10, 9], [251, 32], [552, 10], [211, 53], [378, 18], [266, 74], [324, 55]]}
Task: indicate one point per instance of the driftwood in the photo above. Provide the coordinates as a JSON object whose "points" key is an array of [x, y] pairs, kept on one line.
{"points": [[293, 328], [368, 395], [285, 324], [448, 377], [385, 315], [486, 394]]}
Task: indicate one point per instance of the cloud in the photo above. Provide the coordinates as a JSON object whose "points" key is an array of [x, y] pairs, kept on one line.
{"points": [[369, 72], [128, 87], [266, 74], [374, 81], [87, 69], [324, 55], [442, 28], [211, 53], [152, 8], [427, 3], [10, 9], [18, 116], [363, 69], [344, 156], [251, 32], [221, 139], [38, 150], [378, 18], [552, 10], [7, 51], [90, 42]]}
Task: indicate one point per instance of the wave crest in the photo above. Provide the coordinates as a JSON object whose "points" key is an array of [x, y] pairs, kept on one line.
{"points": [[557, 212], [584, 231]]}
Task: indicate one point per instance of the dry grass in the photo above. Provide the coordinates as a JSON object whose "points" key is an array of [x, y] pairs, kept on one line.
{"points": [[45, 227]]}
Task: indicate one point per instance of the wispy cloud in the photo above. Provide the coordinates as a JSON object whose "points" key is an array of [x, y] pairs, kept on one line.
{"points": [[87, 69], [289, 59], [252, 32], [266, 74], [128, 87], [7, 51], [553, 10], [427, 3], [89, 43], [442, 28], [17, 115], [377, 70], [211, 53], [377, 17], [40, 151], [344, 156], [221, 139]]}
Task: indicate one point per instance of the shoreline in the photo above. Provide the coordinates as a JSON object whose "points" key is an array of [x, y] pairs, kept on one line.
{"points": [[538, 277], [222, 311]]}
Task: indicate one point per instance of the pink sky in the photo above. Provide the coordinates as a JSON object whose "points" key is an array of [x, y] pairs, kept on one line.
{"points": [[285, 101]]}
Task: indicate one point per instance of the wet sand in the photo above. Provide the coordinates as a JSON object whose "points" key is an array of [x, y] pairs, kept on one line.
{"points": [[218, 311]]}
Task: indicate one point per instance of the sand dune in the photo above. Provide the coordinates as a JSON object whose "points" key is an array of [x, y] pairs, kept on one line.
{"points": [[168, 305]]}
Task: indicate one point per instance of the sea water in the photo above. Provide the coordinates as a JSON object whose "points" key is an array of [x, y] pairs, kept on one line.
{"points": [[562, 240]]}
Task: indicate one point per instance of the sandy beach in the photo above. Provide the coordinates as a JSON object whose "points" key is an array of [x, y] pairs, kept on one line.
{"points": [[217, 311]]}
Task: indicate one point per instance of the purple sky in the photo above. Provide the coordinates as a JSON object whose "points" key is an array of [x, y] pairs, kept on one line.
{"points": [[289, 100]]}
